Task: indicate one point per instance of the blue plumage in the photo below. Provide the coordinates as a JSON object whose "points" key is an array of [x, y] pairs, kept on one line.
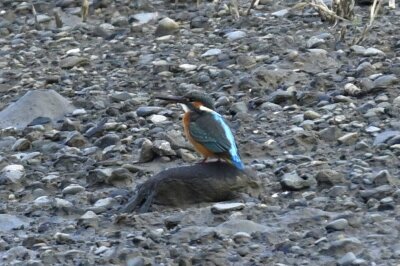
{"points": [[233, 151]]}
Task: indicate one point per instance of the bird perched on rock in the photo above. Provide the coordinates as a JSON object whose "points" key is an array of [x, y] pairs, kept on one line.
{"points": [[206, 129]]}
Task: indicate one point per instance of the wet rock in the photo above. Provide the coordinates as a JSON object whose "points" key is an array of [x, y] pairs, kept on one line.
{"points": [[33, 104], [182, 186]]}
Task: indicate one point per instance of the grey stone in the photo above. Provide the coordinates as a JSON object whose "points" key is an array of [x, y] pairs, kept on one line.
{"points": [[212, 52], [73, 61], [385, 136], [314, 42], [343, 246], [158, 119], [10, 222], [328, 178], [331, 133], [347, 259], [349, 138], [292, 181], [73, 189], [146, 153], [145, 17], [163, 148], [12, 173], [107, 140], [166, 26], [232, 227], [385, 81], [37, 103], [226, 207], [280, 13], [239, 107], [235, 35], [21, 145], [337, 225], [145, 111]]}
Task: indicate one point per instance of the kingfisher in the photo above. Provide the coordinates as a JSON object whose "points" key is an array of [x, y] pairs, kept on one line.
{"points": [[206, 129]]}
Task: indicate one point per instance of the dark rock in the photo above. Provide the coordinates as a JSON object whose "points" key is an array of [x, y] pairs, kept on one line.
{"points": [[187, 185]]}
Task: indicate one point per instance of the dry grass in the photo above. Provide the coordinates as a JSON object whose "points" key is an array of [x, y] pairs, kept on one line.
{"points": [[373, 13]]}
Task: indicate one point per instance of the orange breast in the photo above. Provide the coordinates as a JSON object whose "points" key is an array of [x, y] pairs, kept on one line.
{"points": [[197, 146]]}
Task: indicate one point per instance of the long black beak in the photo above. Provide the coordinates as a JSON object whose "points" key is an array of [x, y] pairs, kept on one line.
{"points": [[176, 99]]}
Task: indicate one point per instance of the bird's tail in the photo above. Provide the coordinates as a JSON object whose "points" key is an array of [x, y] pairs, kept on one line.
{"points": [[236, 161]]}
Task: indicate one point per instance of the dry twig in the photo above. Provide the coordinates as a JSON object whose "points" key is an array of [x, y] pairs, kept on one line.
{"points": [[85, 10], [373, 12]]}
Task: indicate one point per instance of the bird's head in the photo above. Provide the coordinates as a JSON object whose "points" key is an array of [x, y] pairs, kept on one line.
{"points": [[192, 101]]}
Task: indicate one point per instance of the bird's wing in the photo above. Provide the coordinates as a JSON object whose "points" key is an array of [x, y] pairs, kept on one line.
{"points": [[212, 131]]}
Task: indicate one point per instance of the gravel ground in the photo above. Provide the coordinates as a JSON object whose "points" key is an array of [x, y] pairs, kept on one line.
{"points": [[315, 116]]}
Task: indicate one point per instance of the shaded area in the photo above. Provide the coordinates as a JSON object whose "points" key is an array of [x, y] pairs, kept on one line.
{"points": [[181, 186]]}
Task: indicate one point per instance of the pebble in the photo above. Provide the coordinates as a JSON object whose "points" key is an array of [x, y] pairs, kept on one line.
{"points": [[347, 259], [212, 52], [166, 26], [12, 173], [235, 35], [163, 148], [157, 119], [145, 111], [349, 138], [21, 145], [73, 189], [146, 151], [292, 181], [337, 225], [226, 207]]}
